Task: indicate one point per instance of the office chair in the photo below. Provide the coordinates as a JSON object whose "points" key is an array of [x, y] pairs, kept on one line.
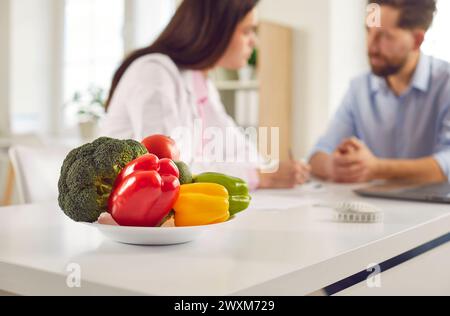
{"points": [[37, 171]]}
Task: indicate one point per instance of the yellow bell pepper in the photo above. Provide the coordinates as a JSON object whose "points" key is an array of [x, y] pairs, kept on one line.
{"points": [[202, 204]]}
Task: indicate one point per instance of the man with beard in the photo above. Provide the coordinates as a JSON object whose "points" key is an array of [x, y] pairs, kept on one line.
{"points": [[394, 122]]}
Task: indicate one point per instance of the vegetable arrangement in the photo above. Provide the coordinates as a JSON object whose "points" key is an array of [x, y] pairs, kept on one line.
{"points": [[143, 185]]}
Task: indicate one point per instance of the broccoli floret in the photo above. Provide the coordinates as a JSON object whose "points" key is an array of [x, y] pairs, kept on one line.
{"points": [[88, 174]]}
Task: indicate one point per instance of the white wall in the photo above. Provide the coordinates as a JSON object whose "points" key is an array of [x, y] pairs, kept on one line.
{"points": [[348, 46], [35, 61], [145, 21], [4, 66], [329, 50], [434, 44]]}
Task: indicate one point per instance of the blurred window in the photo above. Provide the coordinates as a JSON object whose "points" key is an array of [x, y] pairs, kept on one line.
{"points": [[93, 48]]}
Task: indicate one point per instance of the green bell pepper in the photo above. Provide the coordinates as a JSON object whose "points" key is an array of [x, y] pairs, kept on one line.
{"points": [[238, 192]]}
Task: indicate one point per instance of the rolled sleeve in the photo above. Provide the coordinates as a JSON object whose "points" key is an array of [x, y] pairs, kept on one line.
{"points": [[443, 159], [442, 152]]}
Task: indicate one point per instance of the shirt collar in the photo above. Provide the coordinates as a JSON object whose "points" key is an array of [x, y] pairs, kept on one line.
{"points": [[420, 81], [422, 76], [200, 85], [187, 77]]}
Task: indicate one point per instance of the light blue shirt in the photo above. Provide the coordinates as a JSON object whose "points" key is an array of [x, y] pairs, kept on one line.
{"points": [[413, 125]]}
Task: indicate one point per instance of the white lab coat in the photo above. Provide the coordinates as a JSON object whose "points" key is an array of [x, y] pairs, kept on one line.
{"points": [[155, 97]]}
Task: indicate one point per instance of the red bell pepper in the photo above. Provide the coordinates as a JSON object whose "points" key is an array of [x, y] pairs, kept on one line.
{"points": [[145, 192]]}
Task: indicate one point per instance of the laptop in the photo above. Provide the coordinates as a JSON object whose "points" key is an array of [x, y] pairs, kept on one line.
{"points": [[432, 193]]}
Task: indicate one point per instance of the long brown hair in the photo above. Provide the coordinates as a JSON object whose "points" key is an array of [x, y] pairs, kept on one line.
{"points": [[196, 37]]}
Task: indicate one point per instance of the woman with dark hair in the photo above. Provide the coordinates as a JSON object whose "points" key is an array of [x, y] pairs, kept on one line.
{"points": [[164, 87]]}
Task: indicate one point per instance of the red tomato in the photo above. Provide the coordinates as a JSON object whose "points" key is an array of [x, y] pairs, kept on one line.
{"points": [[162, 147]]}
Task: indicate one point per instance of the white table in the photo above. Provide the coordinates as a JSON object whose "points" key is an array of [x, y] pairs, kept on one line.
{"points": [[283, 245]]}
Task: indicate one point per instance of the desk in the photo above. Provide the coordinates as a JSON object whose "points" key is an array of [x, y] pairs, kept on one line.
{"points": [[282, 245], [427, 274]]}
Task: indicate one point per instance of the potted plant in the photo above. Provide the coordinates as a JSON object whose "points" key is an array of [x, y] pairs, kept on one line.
{"points": [[89, 108], [248, 72]]}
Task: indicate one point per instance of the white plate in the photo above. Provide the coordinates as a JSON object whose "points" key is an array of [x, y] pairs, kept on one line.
{"points": [[154, 236]]}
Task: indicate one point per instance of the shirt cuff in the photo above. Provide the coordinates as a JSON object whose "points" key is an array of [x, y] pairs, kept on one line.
{"points": [[443, 159], [320, 149]]}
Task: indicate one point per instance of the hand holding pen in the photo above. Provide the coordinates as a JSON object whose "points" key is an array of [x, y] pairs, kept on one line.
{"points": [[289, 174]]}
